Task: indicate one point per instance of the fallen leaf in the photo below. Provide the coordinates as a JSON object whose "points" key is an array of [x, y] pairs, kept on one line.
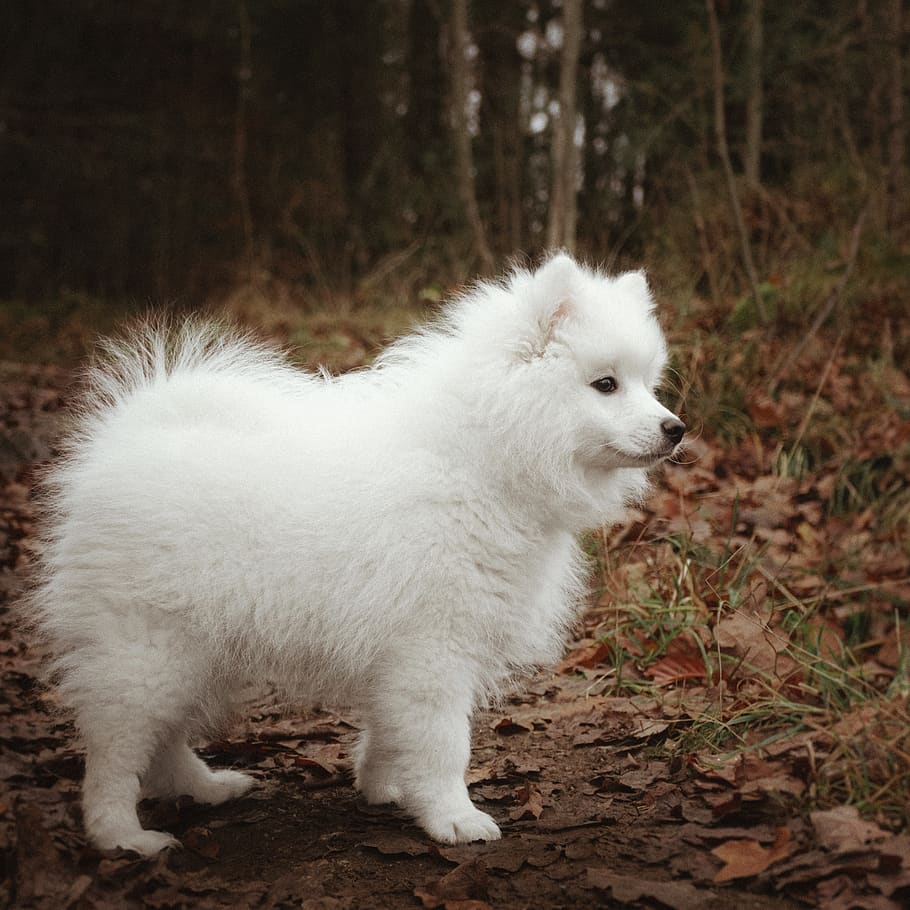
{"points": [[685, 661], [530, 801], [643, 777], [780, 782], [716, 769], [200, 841], [506, 855], [646, 727], [505, 726], [746, 635], [627, 888], [894, 648], [476, 775], [825, 636], [842, 830], [40, 871], [78, 888], [396, 845], [464, 888], [745, 858], [764, 411], [587, 656], [327, 758]]}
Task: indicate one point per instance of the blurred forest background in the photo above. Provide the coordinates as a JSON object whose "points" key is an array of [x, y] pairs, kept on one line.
{"points": [[166, 151]]}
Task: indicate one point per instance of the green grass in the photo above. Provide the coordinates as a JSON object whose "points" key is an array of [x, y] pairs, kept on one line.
{"points": [[859, 724]]}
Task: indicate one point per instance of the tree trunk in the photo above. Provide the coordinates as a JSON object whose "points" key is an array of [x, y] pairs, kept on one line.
{"points": [[501, 134], [239, 181], [563, 212], [754, 41], [895, 192], [426, 138], [464, 157], [720, 129]]}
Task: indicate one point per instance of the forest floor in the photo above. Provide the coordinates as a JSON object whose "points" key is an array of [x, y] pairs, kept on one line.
{"points": [[728, 729]]}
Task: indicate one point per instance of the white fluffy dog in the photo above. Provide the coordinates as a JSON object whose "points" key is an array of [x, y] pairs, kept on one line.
{"points": [[401, 540]]}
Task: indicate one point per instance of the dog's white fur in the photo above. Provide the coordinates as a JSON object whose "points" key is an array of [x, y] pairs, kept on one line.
{"points": [[400, 540]]}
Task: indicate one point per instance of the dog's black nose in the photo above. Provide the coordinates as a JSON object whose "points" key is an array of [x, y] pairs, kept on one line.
{"points": [[673, 429]]}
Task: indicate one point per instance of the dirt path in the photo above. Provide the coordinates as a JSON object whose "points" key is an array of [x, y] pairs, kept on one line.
{"points": [[595, 810]]}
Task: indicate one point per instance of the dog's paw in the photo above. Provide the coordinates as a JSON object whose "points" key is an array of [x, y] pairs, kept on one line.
{"points": [[145, 843], [379, 792], [221, 786], [463, 828], [375, 781]]}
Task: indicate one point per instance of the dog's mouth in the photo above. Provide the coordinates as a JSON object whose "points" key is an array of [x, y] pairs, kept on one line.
{"points": [[622, 459]]}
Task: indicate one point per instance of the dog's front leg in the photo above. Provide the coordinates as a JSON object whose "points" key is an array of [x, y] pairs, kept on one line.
{"points": [[415, 750]]}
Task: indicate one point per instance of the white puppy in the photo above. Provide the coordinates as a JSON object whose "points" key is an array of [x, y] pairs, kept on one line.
{"points": [[400, 540]]}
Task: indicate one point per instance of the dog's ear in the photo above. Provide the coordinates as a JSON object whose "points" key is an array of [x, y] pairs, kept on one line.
{"points": [[556, 278], [555, 286], [635, 285], [546, 298]]}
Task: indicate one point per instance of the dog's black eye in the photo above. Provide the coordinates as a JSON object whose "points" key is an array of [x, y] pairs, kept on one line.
{"points": [[606, 385]]}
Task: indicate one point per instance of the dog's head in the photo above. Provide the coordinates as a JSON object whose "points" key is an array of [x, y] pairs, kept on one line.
{"points": [[595, 342]]}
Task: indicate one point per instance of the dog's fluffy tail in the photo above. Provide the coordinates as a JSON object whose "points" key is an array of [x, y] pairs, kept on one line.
{"points": [[150, 354], [159, 348]]}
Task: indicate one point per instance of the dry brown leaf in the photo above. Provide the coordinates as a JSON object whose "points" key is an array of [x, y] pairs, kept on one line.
{"points": [[692, 702], [507, 855], [842, 830], [464, 888], [325, 760], [644, 777], [530, 801], [843, 892], [200, 841], [505, 726], [893, 649], [720, 769], [764, 411], [780, 782], [684, 660], [646, 727], [746, 634], [393, 844], [627, 888], [477, 775], [741, 632], [587, 656], [745, 858], [826, 636]]}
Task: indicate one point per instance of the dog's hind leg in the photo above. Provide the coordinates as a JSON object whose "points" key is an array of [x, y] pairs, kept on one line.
{"points": [[177, 770], [374, 771], [130, 699], [119, 749]]}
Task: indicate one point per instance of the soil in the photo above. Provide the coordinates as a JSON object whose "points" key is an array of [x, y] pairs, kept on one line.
{"points": [[596, 808]]}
